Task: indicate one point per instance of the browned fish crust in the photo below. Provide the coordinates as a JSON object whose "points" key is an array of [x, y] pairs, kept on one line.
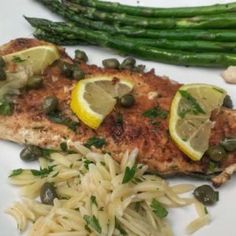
{"points": [[30, 125]]}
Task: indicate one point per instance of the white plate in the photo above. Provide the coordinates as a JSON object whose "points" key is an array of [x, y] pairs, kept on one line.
{"points": [[12, 25]]}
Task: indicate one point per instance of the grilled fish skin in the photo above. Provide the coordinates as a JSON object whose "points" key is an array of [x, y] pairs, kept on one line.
{"points": [[29, 125]]}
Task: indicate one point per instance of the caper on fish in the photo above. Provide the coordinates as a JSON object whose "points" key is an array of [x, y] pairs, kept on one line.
{"points": [[50, 104], [229, 144], [81, 55], [228, 102], [34, 82], [2, 62], [216, 153], [30, 153], [206, 195], [67, 69], [127, 100], [111, 63], [3, 75], [48, 193], [128, 63], [78, 74]]}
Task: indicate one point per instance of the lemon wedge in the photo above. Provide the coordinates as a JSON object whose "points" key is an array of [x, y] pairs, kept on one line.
{"points": [[189, 121], [94, 98], [37, 58]]}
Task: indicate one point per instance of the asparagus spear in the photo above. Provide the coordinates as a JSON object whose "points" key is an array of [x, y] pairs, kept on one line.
{"points": [[129, 46], [159, 12], [180, 34], [195, 46], [198, 22]]}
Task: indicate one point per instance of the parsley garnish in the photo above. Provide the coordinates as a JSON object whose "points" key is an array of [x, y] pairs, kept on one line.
{"points": [[93, 222], [60, 119], [93, 200], [192, 105], [158, 209], [64, 146], [155, 112], [119, 119], [42, 172], [96, 142], [6, 108], [16, 172], [129, 174], [86, 163], [18, 59]]}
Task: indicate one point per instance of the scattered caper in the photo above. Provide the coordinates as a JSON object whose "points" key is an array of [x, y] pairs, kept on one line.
{"points": [[3, 75], [81, 55], [206, 195], [229, 144], [48, 193], [30, 153], [2, 62], [111, 63], [34, 82], [67, 69], [139, 68], [228, 102], [50, 104], [216, 153], [127, 100], [78, 74], [128, 63]]}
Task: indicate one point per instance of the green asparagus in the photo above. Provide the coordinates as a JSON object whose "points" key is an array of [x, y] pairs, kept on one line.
{"points": [[158, 12], [195, 46], [179, 34], [129, 46], [198, 22]]}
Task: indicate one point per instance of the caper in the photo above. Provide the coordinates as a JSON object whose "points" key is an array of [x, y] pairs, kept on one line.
{"points": [[229, 144], [50, 104], [30, 153], [128, 63], [48, 193], [206, 195], [127, 100], [67, 69], [111, 63], [34, 82], [78, 74], [228, 102], [81, 55], [139, 68], [216, 153], [2, 62], [3, 75]]}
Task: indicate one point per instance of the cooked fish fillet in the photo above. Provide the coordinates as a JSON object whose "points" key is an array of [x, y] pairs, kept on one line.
{"points": [[29, 125]]}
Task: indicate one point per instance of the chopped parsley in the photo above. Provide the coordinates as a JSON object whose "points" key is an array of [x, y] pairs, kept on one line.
{"points": [[17, 59], [86, 163], [155, 112], [96, 142], [93, 200], [129, 174], [64, 146], [192, 105], [93, 223], [60, 119], [158, 209], [6, 108], [42, 172], [16, 172], [119, 119]]}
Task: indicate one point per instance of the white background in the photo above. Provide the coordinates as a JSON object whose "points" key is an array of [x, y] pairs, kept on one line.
{"points": [[13, 25]]}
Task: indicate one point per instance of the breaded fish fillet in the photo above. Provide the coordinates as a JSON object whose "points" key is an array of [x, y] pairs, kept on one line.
{"points": [[29, 125]]}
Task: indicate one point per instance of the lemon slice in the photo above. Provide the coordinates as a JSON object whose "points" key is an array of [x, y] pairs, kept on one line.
{"points": [[38, 58], [93, 99], [189, 122]]}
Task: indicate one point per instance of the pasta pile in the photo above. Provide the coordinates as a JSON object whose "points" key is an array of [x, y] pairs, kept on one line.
{"points": [[98, 196]]}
